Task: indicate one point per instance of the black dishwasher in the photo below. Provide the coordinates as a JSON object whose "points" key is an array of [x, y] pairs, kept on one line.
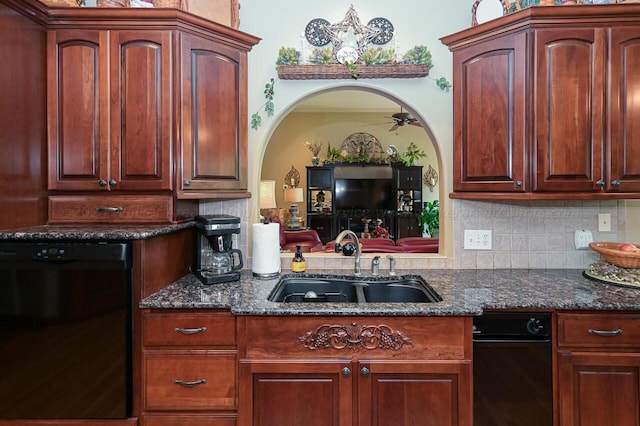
{"points": [[65, 330], [512, 370]]}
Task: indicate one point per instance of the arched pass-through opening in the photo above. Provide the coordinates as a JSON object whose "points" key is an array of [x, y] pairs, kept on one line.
{"points": [[328, 117]]}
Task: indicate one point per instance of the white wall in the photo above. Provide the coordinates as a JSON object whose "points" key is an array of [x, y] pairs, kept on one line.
{"points": [[526, 234], [281, 23]]}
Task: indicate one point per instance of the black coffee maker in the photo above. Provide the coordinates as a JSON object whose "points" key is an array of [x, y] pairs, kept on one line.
{"points": [[216, 261]]}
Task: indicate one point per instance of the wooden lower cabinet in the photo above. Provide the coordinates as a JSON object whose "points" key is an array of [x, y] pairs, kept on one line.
{"points": [[189, 365], [412, 393], [310, 393], [598, 369], [355, 371]]}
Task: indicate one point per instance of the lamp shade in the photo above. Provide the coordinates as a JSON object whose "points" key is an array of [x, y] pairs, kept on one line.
{"points": [[293, 195], [267, 194]]}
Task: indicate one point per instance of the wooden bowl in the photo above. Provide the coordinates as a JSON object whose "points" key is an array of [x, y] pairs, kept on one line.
{"points": [[611, 252]]}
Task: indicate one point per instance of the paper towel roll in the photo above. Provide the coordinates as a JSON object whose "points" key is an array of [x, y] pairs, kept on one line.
{"points": [[265, 260]]}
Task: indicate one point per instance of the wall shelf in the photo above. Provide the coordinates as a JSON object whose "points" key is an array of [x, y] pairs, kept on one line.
{"points": [[340, 71]]}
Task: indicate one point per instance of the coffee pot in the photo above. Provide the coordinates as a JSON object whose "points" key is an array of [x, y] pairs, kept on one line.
{"points": [[216, 260], [220, 262]]}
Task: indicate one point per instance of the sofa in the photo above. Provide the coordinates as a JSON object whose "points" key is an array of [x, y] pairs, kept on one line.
{"points": [[384, 245], [307, 239]]}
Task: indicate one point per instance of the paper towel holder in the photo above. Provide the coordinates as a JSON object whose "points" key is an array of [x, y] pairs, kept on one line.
{"points": [[266, 275]]}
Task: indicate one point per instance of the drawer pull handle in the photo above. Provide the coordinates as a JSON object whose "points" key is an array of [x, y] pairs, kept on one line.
{"points": [[109, 209], [190, 330], [609, 333], [190, 384]]}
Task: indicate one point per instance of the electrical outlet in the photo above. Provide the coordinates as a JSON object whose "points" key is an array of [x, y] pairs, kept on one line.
{"points": [[582, 238], [604, 222], [477, 240]]}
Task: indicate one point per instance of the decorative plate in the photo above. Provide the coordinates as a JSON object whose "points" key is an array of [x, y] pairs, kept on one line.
{"points": [[362, 144], [606, 272], [316, 33], [386, 28]]}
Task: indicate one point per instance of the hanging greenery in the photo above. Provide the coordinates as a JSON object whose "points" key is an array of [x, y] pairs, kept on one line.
{"points": [[269, 107]]}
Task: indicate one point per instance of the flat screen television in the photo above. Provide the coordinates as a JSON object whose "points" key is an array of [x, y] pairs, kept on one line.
{"points": [[364, 194]]}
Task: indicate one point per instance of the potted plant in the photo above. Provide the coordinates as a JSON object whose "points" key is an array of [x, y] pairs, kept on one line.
{"points": [[412, 154], [429, 218]]}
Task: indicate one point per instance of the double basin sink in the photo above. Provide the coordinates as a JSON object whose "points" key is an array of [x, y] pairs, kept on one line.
{"points": [[353, 289]]}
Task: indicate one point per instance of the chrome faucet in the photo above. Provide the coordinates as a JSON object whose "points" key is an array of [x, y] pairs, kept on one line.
{"points": [[354, 237], [392, 265], [375, 265]]}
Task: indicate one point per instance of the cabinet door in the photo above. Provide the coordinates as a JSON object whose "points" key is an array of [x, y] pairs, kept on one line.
{"points": [[490, 82], [598, 389], [569, 107], [409, 178], [320, 178], [407, 226], [293, 392], [214, 117], [414, 393], [323, 225], [77, 109], [624, 114], [141, 119]]}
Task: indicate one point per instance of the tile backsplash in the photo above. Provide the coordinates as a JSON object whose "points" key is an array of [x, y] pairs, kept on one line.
{"points": [[525, 234], [533, 234]]}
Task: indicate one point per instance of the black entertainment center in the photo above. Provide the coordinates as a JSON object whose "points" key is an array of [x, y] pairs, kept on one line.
{"points": [[343, 197]]}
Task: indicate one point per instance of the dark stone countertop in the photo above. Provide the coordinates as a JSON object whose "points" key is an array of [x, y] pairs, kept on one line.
{"points": [[464, 292], [91, 232]]}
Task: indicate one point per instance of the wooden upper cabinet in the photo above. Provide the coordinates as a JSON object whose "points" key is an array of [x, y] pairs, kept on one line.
{"points": [[141, 120], [214, 139], [78, 105], [569, 109], [545, 105], [109, 110], [623, 152], [489, 108]]}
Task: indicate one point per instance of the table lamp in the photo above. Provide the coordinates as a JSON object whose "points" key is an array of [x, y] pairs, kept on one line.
{"points": [[267, 196]]}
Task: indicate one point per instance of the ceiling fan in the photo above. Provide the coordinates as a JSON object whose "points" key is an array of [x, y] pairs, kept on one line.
{"points": [[402, 119]]}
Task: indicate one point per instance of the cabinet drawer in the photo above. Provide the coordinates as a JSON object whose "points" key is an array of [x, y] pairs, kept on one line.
{"points": [[189, 420], [183, 328], [209, 378], [599, 330], [110, 209]]}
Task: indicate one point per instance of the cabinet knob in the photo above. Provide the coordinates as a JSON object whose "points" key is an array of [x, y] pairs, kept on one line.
{"points": [[365, 372], [187, 183], [102, 182], [518, 184], [616, 183], [346, 372], [112, 182], [600, 183]]}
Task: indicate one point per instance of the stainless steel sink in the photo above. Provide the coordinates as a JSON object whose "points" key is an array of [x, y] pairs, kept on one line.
{"points": [[352, 289]]}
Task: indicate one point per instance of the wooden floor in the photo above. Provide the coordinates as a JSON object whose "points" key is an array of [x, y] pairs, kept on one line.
{"points": [[72, 370]]}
